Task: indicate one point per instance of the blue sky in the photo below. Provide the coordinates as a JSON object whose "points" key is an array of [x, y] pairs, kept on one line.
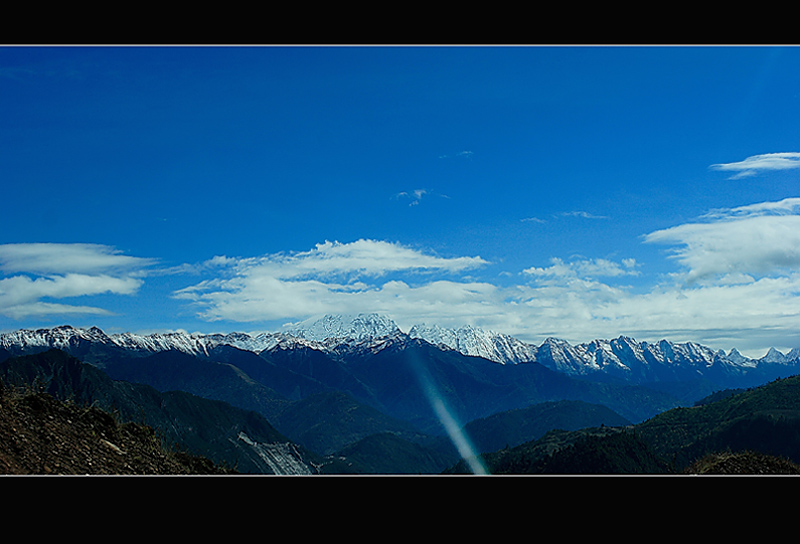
{"points": [[576, 192]]}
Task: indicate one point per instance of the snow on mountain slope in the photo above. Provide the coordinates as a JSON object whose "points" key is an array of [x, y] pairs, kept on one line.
{"points": [[469, 340], [621, 357], [196, 344], [67, 338], [626, 358], [187, 343], [345, 327], [63, 337]]}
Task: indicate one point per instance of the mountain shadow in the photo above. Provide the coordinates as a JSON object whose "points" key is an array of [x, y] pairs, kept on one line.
{"points": [[212, 379], [386, 453], [328, 422], [514, 427]]}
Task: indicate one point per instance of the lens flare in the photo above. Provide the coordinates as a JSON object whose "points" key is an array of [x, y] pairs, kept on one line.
{"points": [[454, 430]]}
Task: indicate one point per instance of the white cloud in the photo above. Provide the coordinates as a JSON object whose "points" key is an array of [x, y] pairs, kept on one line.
{"points": [[63, 271], [20, 296], [363, 257], [414, 196], [758, 163], [331, 278], [781, 207], [585, 268], [571, 299], [44, 258], [757, 239], [743, 312]]}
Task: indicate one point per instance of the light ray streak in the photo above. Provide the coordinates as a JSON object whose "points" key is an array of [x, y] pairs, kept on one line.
{"points": [[454, 430]]}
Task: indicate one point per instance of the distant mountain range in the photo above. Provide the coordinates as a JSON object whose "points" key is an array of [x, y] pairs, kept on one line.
{"points": [[621, 359], [329, 395]]}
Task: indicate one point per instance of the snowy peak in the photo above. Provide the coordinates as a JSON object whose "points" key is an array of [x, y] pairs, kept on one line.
{"points": [[774, 356], [342, 327], [63, 337], [626, 358], [735, 357], [469, 340]]}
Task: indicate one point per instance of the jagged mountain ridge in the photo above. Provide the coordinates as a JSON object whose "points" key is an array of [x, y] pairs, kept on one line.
{"points": [[621, 358], [385, 373]]}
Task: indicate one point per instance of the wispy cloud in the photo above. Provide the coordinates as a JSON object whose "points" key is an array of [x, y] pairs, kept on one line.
{"points": [[414, 197], [737, 286], [787, 206], [749, 315], [459, 155], [760, 163], [47, 258], [582, 215], [63, 271], [575, 213]]}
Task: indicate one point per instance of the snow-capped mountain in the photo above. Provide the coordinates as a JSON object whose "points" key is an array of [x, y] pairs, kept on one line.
{"points": [[635, 361], [345, 327], [195, 344], [70, 338], [620, 358], [500, 348], [63, 337]]}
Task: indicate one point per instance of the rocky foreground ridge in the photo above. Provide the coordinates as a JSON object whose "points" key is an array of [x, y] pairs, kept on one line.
{"points": [[42, 435]]}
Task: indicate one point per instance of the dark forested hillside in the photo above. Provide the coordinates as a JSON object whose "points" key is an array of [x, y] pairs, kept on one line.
{"points": [[764, 419], [515, 427], [239, 438], [756, 431]]}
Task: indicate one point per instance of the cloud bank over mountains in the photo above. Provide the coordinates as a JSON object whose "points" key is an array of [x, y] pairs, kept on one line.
{"points": [[736, 283], [333, 277]]}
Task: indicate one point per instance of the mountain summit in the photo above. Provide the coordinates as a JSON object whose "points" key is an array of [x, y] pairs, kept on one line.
{"points": [[345, 327]]}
